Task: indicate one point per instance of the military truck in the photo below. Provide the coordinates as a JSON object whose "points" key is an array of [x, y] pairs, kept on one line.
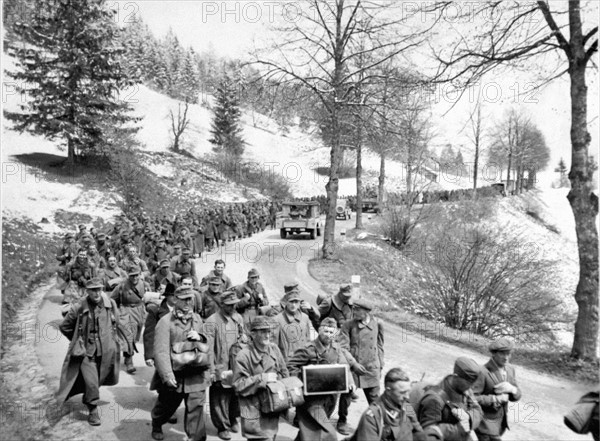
{"points": [[342, 210], [298, 217]]}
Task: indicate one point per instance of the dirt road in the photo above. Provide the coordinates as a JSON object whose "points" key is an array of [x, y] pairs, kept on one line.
{"points": [[125, 408]]}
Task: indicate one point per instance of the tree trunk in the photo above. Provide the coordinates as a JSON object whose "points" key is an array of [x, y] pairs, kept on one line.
{"points": [[475, 165], [332, 186], [584, 203], [359, 192], [70, 152], [380, 189], [508, 191]]}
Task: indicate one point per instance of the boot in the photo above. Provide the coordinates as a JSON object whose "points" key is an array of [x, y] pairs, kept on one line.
{"points": [[93, 417], [129, 367]]}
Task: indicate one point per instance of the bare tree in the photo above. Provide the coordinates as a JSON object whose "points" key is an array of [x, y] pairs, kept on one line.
{"points": [[317, 50], [178, 125], [475, 135], [507, 37]]}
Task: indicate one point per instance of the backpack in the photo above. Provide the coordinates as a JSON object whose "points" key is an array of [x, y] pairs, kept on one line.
{"points": [[419, 390]]}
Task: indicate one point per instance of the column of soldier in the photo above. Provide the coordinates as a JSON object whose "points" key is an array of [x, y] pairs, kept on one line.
{"points": [[210, 335]]}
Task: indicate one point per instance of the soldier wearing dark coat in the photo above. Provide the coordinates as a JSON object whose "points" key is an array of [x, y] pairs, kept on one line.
{"points": [[155, 313], [390, 417], [495, 387], [449, 411], [363, 337], [254, 367], [163, 275], [180, 325], [184, 265], [93, 356], [252, 297], [338, 306], [209, 298], [103, 246], [314, 414]]}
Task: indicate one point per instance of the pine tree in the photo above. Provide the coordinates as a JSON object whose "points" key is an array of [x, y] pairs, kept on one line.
{"points": [[72, 72], [225, 128], [562, 170], [189, 81]]}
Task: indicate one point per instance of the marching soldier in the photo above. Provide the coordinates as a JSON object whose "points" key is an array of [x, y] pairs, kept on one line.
{"points": [[179, 325], [256, 365], [225, 328], [93, 356], [129, 297], [184, 266], [363, 337], [390, 417], [218, 271], [314, 414], [495, 387], [294, 328], [449, 411], [252, 296], [209, 298]]}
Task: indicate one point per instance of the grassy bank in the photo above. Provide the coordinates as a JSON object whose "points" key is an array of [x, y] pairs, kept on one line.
{"points": [[384, 273]]}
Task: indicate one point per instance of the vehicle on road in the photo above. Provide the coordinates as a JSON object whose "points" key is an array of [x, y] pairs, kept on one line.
{"points": [[298, 217], [342, 209], [370, 206]]}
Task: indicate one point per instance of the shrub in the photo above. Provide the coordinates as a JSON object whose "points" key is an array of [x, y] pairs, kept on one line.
{"points": [[477, 278]]}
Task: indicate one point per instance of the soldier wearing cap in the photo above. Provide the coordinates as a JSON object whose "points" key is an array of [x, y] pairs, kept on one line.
{"points": [[163, 275], [225, 328], [218, 271], [103, 246], [449, 410], [254, 366], [338, 306], [294, 328], [252, 297], [158, 253], [314, 415], [184, 265], [82, 232], [129, 296], [79, 271], [209, 297], [179, 325], [92, 323], [363, 337], [68, 250], [66, 253], [495, 387]]}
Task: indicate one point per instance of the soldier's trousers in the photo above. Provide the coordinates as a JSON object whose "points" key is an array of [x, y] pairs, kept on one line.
{"points": [[167, 403], [371, 393], [90, 371], [224, 406]]}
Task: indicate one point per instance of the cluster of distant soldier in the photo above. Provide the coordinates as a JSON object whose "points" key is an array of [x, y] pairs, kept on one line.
{"points": [[420, 197]]}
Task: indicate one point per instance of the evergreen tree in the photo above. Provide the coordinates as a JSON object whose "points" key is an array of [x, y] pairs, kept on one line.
{"points": [[225, 128], [189, 80], [73, 63]]}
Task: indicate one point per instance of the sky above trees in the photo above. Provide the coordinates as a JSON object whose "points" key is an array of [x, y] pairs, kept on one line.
{"points": [[234, 29]]}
